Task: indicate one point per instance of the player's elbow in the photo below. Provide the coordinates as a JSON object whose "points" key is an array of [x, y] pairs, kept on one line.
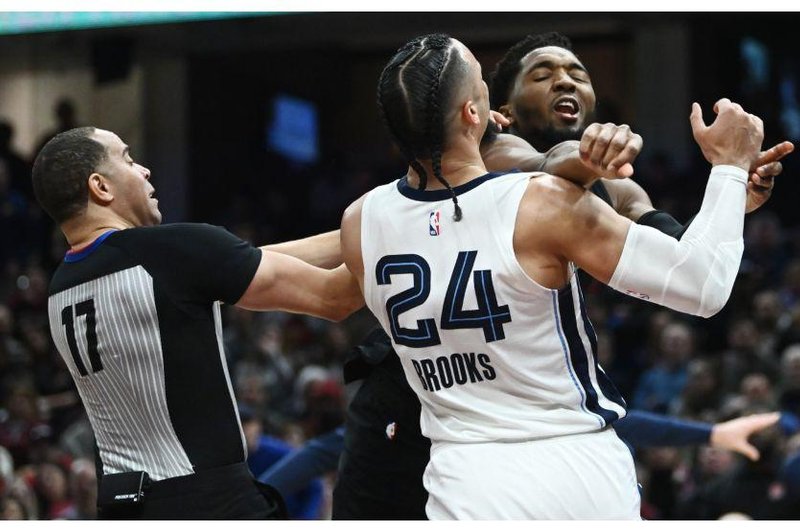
{"points": [[712, 309], [713, 301], [345, 296], [344, 307]]}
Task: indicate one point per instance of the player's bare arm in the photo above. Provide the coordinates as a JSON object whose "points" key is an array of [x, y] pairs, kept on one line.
{"points": [[286, 283], [351, 240], [605, 150], [631, 200], [694, 275], [321, 250]]}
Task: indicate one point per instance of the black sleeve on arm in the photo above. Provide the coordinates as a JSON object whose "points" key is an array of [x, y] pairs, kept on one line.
{"points": [[201, 261], [664, 222]]}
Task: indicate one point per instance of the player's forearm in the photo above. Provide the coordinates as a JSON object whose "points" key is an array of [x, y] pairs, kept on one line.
{"points": [[696, 274], [646, 429], [564, 160], [294, 471], [323, 250]]}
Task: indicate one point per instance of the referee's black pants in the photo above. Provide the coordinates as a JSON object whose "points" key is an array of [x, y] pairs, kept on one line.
{"points": [[227, 492]]}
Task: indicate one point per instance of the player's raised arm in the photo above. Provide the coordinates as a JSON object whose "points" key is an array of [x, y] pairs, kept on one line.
{"points": [[693, 275]]}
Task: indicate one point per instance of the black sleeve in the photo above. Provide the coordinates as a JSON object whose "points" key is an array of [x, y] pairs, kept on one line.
{"points": [[199, 261], [664, 222]]}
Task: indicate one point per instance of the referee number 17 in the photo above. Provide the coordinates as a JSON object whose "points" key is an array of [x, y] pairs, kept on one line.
{"points": [[68, 316]]}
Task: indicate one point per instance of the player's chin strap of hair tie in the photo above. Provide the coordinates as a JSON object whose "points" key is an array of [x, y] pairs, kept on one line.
{"points": [[696, 274]]}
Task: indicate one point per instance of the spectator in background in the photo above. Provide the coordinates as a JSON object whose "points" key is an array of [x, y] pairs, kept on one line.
{"points": [[742, 356], [83, 488], [263, 451], [772, 321], [13, 217], [14, 358], [789, 386], [66, 119], [765, 250], [661, 384], [749, 488], [700, 397], [12, 509], [21, 428], [13, 164], [53, 492]]}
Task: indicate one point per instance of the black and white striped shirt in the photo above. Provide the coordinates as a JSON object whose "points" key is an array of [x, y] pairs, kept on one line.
{"points": [[136, 318]]}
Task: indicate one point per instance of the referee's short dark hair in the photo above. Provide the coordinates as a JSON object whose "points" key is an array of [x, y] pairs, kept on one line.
{"points": [[61, 171]]}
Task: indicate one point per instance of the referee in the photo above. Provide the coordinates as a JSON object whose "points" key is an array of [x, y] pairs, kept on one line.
{"points": [[134, 311]]}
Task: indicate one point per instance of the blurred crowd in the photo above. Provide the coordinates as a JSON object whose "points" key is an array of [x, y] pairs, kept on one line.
{"points": [[286, 369]]}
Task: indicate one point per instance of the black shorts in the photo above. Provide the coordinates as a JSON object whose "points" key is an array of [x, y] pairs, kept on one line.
{"points": [[227, 492], [380, 471]]}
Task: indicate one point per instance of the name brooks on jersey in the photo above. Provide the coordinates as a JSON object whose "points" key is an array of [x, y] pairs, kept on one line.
{"points": [[458, 368]]}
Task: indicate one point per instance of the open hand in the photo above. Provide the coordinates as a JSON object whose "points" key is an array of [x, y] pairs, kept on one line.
{"points": [[733, 138], [732, 435]]}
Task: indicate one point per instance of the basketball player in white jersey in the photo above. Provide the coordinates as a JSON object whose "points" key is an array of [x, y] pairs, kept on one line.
{"points": [[473, 276]]}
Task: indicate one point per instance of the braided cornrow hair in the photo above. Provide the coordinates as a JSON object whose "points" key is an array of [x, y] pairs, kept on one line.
{"points": [[414, 87]]}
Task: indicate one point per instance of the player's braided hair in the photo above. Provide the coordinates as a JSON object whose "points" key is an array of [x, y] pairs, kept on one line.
{"points": [[505, 72], [414, 87]]}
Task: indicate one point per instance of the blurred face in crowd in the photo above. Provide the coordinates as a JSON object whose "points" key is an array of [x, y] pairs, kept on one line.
{"points": [[714, 462], [252, 429], [11, 509], [552, 98], [767, 307], [756, 388], [676, 343], [52, 482], [743, 335], [790, 366], [701, 381], [129, 182]]}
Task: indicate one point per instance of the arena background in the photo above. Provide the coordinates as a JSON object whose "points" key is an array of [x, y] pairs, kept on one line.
{"points": [[266, 124]]}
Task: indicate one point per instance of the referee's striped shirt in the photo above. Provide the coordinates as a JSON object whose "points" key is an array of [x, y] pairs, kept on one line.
{"points": [[136, 318]]}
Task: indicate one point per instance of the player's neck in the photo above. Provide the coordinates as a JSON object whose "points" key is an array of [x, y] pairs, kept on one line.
{"points": [[457, 170]]}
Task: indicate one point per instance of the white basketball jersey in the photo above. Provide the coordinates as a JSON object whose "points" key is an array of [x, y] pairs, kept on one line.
{"points": [[492, 355]]}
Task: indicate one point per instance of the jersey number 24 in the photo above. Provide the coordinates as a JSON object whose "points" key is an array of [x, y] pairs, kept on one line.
{"points": [[489, 316]]}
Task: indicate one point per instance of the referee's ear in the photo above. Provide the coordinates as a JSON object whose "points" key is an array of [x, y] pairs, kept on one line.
{"points": [[99, 189]]}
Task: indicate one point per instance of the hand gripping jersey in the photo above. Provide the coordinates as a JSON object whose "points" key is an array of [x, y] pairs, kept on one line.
{"points": [[492, 355]]}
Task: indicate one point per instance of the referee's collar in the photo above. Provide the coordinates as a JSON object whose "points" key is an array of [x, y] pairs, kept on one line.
{"points": [[80, 254]]}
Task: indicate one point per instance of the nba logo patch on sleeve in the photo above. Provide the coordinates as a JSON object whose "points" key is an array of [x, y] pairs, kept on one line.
{"points": [[433, 224]]}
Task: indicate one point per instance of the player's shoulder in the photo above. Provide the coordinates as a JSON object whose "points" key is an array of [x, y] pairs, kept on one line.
{"points": [[550, 191]]}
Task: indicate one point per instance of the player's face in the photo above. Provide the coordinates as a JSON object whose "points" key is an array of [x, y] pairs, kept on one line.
{"points": [[552, 98], [134, 195]]}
